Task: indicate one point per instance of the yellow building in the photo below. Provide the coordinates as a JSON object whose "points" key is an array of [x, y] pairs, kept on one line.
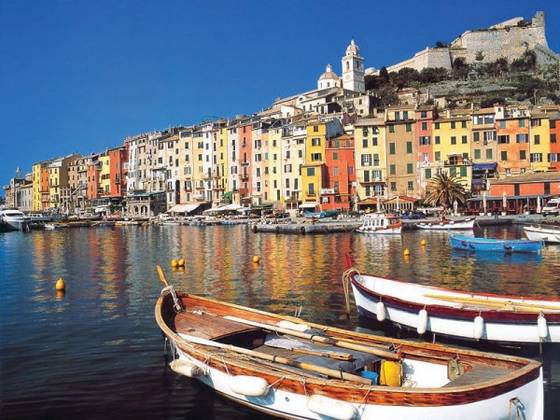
{"points": [[36, 171], [198, 165], [222, 157], [104, 186], [452, 145], [371, 161], [312, 168], [539, 141], [185, 157]]}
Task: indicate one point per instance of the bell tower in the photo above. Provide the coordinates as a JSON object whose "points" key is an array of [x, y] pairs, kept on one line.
{"points": [[353, 69]]}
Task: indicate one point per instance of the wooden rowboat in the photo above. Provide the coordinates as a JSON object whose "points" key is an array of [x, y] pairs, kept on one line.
{"points": [[286, 367], [470, 243], [548, 234], [457, 224], [466, 315]]}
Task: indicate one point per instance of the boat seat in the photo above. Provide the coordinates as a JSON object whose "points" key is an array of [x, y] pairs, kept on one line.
{"points": [[209, 327], [280, 345], [476, 375]]}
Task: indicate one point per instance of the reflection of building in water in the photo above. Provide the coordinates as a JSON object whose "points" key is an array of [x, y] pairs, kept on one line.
{"points": [[112, 270]]}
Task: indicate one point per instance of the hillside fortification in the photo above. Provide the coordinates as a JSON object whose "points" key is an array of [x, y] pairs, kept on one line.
{"points": [[508, 39]]}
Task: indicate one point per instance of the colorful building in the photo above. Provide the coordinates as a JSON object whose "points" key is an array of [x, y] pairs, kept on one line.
{"points": [[370, 158], [424, 116], [338, 191], [539, 141]]}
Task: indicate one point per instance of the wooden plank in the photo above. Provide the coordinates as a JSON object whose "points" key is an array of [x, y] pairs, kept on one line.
{"points": [[207, 326]]}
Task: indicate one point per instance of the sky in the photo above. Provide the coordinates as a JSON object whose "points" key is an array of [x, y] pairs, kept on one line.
{"points": [[80, 75]]}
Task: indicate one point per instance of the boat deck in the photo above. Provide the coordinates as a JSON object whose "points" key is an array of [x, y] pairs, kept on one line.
{"points": [[476, 375], [209, 327]]}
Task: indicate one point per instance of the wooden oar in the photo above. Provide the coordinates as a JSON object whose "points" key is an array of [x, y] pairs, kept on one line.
{"points": [[332, 373], [176, 303], [161, 275], [505, 304], [330, 354], [319, 339]]}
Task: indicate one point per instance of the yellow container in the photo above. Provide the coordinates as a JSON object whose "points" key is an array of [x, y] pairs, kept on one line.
{"points": [[391, 373]]}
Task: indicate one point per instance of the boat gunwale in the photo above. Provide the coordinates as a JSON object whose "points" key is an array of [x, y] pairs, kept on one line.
{"points": [[515, 377], [443, 309], [477, 240]]}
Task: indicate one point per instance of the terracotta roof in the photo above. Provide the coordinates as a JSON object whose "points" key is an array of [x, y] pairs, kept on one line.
{"points": [[526, 178]]}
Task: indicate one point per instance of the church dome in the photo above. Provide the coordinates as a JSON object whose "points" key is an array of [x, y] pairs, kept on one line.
{"points": [[329, 74], [352, 49]]}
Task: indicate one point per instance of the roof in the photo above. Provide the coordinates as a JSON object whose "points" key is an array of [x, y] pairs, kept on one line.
{"points": [[526, 178], [183, 208], [329, 74], [368, 121]]}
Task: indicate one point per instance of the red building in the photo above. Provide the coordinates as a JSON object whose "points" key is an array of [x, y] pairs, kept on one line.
{"points": [[554, 157], [339, 174], [245, 159], [93, 179], [117, 172], [423, 130]]}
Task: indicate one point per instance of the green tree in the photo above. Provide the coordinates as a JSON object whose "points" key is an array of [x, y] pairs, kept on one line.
{"points": [[460, 68], [443, 190]]}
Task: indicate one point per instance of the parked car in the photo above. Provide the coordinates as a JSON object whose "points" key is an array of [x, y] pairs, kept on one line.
{"points": [[552, 207]]}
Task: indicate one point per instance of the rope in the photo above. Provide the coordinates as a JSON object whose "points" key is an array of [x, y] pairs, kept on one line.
{"points": [[346, 276], [276, 382], [519, 412]]}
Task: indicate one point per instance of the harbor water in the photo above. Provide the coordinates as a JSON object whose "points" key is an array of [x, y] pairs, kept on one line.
{"points": [[96, 351]]}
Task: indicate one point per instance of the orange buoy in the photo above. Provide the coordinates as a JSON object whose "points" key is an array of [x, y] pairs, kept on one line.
{"points": [[423, 242], [181, 262], [256, 259], [174, 263], [60, 285], [406, 252]]}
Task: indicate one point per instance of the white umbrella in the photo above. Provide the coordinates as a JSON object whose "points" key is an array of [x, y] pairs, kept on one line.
{"points": [[455, 206], [484, 201], [504, 200], [539, 204], [398, 204]]}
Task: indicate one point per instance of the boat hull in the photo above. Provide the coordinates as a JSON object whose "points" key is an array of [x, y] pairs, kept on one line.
{"points": [[282, 403], [468, 243], [542, 234], [389, 231], [452, 321], [467, 224]]}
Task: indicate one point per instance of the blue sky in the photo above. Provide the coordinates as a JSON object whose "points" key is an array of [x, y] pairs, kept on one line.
{"points": [[79, 76]]}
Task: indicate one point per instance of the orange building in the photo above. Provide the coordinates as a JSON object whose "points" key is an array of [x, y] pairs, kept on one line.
{"points": [[554, 156], [340, 171], [117, 173], [93, 179], [45, 199], [425, 154], [512, 135], [245, 159]]}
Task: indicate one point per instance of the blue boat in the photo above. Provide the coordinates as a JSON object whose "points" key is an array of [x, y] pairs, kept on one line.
{"points": [[470, 243]]}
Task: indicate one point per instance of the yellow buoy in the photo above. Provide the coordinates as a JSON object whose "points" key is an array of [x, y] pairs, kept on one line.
{"points": [[60, 285], [423, 242], [256, 259], [181, 262], [174, 263], [406, 252]]}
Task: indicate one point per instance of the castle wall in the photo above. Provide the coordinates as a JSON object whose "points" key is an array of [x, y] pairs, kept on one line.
{"points": [[429, 57]]}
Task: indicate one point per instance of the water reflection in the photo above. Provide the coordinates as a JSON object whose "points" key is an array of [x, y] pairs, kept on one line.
{"points": [[100, 340]]}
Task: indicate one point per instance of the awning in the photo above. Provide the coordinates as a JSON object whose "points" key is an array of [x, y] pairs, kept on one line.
{"points": [[183, 208], [226, 208], [307, 205], [484, 166]]}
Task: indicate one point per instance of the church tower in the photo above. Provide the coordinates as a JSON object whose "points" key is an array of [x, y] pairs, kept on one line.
{"points": [[353, 69]]}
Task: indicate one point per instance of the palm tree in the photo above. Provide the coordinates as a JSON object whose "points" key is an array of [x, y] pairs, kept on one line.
{"points": [[443, 190]]}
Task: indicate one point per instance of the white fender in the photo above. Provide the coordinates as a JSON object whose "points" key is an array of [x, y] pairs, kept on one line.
{"points": [[380, 311], [329, 407], [250, 386], [478, 327], [422, 321], [184, 367], [292, 325], [542, 327]]}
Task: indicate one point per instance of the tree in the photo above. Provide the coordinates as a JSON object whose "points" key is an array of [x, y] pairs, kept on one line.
{"points": [[443, 190], [460, 68], [479, 56], [384, 74], [441, 44], [433, 74]]}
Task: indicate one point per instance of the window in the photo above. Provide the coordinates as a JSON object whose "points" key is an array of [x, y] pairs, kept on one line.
{"points": [[463, 171], [436, 126], [522, 155], [392, 169], [310, 171], [391, 128], [424, 125], [335, 156], [425, 157], [408, 147], [502, 124], [315, 128], [391, 148], [366, 176], [489, 154], [315, 141], [437, 156], [364, 143], [453, 140], [521, 138], [409, 168], [410, 185], [364, 131], [464, 139], [537, 139], [437, 139], [428, 173], [423, 114], [553, 138], [366, 160], [521, 123], [536, 122], [452, 125], [476, 136], [408, 127], [552, 123], [424, 140], [405, 115], [315, 156], [453, 171], [335, 171], [504, 139], [375, 159], [393, 186], [311, 189], [503, 155], [374, 141], [477, 153], [536, 157]]}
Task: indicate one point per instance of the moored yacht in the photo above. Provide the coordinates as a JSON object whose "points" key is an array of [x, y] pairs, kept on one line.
{"points": [[14, 219]]}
